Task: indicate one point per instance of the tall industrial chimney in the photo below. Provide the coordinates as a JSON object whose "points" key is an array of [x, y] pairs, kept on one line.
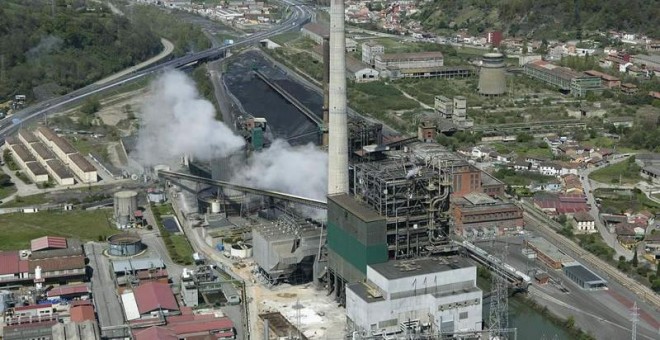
{"points": [[338, 144], [326, 90]]}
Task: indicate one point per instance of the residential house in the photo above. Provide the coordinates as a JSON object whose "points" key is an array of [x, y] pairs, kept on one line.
{"points": [[628, 234], [652, 244], [584, 222], [535, 162], [572, 184], [550, 186], [568, 168], [522, 165], [359, 71], [560, 204], [549, 169]]}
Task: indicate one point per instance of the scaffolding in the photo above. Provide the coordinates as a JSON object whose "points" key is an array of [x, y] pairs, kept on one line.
{"points": [[414, 197]]}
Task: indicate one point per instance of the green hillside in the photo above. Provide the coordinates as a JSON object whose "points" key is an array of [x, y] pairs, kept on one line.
{"points": [[541, 18], [49, 50]]}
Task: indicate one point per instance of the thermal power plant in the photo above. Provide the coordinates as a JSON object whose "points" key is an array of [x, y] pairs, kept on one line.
{"points": [[492, 80], [125, 205], [125, 244]]}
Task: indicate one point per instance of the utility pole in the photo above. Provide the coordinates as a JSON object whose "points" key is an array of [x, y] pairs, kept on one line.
{"points": [[498, 321]]}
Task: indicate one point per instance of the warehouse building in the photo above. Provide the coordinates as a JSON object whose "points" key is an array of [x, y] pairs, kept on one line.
{"points": [[83, 169], [359, 71], [547, 252], [567, 80], [584, 277], [404, 61], [60, 146], [149, 300], [21, 155], [316, 32], [36, 172], [41, 153], [59, 172], [431, 294]]}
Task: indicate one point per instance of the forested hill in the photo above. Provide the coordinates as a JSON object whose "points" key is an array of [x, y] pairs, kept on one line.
{"points": [[542, 18], [57, 49]]}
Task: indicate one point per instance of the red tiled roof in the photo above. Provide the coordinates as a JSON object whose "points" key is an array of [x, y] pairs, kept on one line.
{"points": [[48, 242], [81, 303], [58, 263], [68, 290], [155, 333], [30, 307], [153, 295], [9, 262], [82, 313], [182, 329]]}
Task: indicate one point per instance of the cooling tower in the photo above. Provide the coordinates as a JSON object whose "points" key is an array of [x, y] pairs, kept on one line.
{"points": [[338, 141], [491, 75]]}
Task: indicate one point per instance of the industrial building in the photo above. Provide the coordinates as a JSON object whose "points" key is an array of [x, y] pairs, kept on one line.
{"points": [[403, 61], [569, 81], [429, 295], [583, 277], [125, 244], [59, 172], [454, 109], [69, 156], [286, 249], [492, 81], [149, 300], [188, 325], [58, 259], [479, 215], [370, 50], [358, 71], [315, 31], [447, 72], [547, 252], [608, 81]]}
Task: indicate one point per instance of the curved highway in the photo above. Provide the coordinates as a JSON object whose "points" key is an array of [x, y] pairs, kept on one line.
{"points": [[299, 16]]}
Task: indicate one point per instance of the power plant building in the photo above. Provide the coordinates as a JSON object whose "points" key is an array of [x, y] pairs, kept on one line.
{"points": [[429, 295], [492, 80], [479, 215], [567, 80]]}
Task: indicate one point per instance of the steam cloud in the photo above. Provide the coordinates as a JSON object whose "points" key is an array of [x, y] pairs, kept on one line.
{"points": [[177, 122], [46, 45], [301, 170]]}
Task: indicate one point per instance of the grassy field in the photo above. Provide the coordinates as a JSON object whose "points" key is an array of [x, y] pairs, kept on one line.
{"points": [[7, 191], [21, 201], [18, 229], [626, 171], [177, 245], [286, 37], [618, 201], [182, 248]]}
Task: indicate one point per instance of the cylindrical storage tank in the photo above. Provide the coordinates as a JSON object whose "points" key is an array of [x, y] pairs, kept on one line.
{"points": [[124, 244], [125, 204], [492, 80], [241, 250], [215, 206]]}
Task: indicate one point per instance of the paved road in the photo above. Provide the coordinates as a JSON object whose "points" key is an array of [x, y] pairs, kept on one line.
{"points": [[168, 48], [589, 186], [299, 16], [105, 296], [538, 221]]}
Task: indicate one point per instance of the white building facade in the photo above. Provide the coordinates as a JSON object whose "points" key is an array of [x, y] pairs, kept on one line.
{"points": [[431, 295]]}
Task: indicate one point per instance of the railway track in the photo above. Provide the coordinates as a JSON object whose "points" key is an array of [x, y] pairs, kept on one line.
{"points": [[548, 228]]}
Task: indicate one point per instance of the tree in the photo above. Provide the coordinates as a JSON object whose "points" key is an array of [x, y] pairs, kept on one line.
{"points": [[91, 106], [635, 261]]}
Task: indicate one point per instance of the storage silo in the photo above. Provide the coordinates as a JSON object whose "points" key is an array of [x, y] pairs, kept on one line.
{"points": [[125, 204], [492, 80], [124, 244]]}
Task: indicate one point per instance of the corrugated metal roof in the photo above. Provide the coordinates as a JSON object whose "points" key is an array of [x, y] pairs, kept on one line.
{"points": [[131, 310], [9, 262], [48, 242], [82, 313], [28, 136], [67, 290], [36, 168], [155, 332], [58, 263], [153, 296], [58, 167], [137, 264]]}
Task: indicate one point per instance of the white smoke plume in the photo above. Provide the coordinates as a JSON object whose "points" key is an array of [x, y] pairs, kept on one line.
{"points": [[300, 170], [176, 121]]}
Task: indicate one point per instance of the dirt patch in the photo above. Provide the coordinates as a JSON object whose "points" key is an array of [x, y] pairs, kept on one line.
{"points": [[287, 295], [121, 107]]}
